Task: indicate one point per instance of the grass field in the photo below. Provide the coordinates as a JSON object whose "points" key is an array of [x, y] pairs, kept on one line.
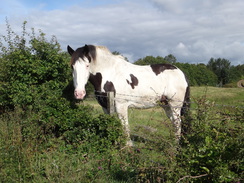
{"points": [[221, 96]]}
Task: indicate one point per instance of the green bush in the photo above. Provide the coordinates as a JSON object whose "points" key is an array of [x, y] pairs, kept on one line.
{"points": [[214, 148], [28, 62], [77, 126], [231, 85]]}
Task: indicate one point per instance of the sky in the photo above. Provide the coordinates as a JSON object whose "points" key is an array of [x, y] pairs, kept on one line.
{"points": [[192, 30]]}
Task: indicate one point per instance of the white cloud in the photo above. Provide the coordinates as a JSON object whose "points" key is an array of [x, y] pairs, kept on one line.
{"points": [[194, 31]]}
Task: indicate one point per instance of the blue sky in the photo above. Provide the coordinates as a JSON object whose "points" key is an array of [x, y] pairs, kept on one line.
{"points": [[10, 7], [192, 30]]}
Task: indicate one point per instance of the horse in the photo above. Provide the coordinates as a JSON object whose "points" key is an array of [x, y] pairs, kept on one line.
{"points": [[133, 85]]}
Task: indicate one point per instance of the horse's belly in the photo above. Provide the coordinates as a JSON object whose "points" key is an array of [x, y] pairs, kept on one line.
{"points": [[142, 105], [137, 101]]}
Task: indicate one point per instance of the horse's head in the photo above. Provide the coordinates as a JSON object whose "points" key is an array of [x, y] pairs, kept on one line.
{"points": [[80, 63]]}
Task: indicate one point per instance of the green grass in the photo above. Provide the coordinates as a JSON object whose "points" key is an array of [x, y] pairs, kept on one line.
{"points": [[142, 122], [221, 96]]}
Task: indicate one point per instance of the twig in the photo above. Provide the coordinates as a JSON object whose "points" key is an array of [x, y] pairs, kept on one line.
{"points": [[192, 177]]}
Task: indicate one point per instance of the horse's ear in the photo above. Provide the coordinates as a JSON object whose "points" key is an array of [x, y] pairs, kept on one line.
{"points": [[86, 50], [70, 50]]}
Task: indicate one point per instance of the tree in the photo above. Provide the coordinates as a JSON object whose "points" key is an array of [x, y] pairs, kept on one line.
{"points": [[148, 60], [236, 73], [198, 74], [221, 67], [170, 58]]}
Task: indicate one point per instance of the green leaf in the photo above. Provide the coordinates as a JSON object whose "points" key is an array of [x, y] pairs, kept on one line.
{"points": [[205, 169]]}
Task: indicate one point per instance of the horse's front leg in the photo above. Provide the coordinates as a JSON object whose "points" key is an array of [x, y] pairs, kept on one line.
{"points": [[122, 111]]}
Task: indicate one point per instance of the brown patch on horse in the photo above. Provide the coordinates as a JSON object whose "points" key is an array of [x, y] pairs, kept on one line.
{"points": [[134, 81], [88, 51], [109, 86], [96, 81], [158, 68], [101, 97]]}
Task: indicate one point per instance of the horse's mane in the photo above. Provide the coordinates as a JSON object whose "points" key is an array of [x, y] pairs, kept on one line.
{"points": [[92, 53], [106, 50]]}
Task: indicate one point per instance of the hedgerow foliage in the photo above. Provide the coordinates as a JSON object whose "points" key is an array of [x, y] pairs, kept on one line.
{"points": [[214, 145], [29, 66], [34, 73]]}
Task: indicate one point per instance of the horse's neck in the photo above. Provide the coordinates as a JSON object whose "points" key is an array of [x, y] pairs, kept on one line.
{"points": [[106, 62]]}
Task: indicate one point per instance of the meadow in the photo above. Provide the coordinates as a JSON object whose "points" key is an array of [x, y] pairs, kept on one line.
{"points": [[221, 96], [205, 155]]}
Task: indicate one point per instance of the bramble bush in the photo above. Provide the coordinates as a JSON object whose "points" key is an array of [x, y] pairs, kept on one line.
{"points": [[213, 149]]}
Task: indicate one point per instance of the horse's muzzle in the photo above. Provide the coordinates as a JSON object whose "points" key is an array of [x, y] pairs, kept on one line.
{"points": [[79, 94]]}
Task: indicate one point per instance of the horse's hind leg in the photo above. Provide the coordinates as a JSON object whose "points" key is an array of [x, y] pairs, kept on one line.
{"points": [[173, 114]]}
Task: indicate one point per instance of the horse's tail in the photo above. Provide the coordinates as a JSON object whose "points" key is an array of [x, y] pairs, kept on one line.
{"points": [[186, 103], [186, 121]]}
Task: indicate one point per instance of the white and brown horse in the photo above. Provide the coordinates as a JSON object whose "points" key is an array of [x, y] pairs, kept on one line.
{"points": [[134, 86]]}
